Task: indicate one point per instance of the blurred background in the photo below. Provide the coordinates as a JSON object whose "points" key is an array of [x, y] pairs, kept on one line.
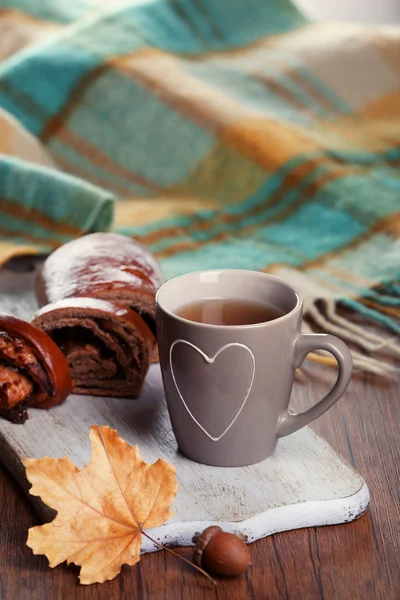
{"points": [[362, 11]]}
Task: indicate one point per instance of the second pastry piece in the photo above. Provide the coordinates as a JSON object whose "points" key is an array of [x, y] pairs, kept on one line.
{"points": [[108, 347], [108, 266]]}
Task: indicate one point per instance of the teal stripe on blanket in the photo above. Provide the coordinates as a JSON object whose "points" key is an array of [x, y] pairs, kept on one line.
{"points": [[376, 259], [325, 230], [236, 19], [363, 157], [167, 125], [372, 314], [364, 196], [47, 10], [57, 196], [35, 85], [231, 254]]}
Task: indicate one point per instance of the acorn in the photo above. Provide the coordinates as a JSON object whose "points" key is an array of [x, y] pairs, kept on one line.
{"points": [[220, 552]]}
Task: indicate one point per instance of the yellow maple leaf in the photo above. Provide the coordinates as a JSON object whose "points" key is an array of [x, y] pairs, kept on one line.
{"points": [[101, 508]]}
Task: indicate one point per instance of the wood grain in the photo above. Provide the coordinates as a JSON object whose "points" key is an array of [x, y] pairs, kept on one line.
{"points": [[359, 560]]}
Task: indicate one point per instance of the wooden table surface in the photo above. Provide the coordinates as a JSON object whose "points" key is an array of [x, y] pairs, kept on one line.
{"points": [[359, 560]]}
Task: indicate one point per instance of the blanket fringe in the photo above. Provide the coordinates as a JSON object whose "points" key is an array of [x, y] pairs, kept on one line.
{"points": [[366, 341]]}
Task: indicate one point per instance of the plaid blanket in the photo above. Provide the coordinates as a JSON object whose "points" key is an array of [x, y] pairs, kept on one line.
{"points": [[233, 133]]}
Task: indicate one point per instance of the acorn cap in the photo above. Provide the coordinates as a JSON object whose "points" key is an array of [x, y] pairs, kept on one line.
{"points": [[220, 552], [202, 540]]}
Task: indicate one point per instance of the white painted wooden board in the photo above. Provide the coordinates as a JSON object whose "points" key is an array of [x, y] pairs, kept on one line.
{"points": [[305, 483]]}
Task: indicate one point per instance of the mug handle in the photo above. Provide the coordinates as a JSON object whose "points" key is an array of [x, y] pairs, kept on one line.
{"points": [[305, 343]]}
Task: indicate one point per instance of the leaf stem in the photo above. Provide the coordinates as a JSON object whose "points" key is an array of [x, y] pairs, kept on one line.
{"points": [[179, 556]]}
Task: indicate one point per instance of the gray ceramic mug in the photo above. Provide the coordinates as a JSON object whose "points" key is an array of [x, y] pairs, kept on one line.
{"points": [[228, 387]]}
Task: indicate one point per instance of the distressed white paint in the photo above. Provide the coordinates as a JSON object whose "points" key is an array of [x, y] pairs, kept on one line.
{"points": [[305, 483]]}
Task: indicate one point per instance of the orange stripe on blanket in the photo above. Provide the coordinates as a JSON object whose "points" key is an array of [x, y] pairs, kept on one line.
{"points": [[30, 238], [23, 213], [280, 91], [387, 43], [9, 250], [75, 98], [77, 94], [90, 176], [223, 176], [99, 158], [141, 211], [268, 143], [312, 91], [384, 109], [306, 195], [22, 16], [388, 310], [290, 181], [354, 133]]}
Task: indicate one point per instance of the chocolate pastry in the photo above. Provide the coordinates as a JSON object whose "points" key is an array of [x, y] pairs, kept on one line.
{"points": [[108, 266], [33, 370], [108, 346]]}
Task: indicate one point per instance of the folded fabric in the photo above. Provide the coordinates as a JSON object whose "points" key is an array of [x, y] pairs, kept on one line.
{"points": [[41, 208], [235, 134]]}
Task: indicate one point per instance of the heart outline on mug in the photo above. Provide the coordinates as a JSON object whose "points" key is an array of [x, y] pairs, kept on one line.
{"points": [[210, 360]]}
